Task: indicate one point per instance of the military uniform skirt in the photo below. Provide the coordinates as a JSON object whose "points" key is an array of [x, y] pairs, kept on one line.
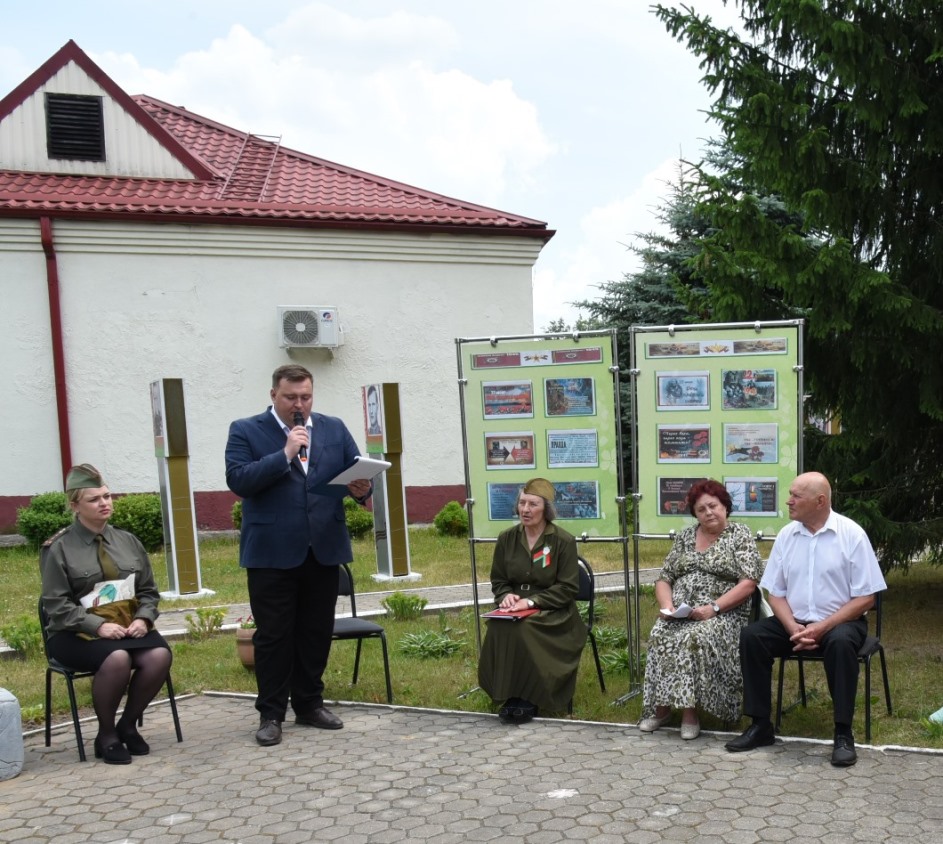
{"points": [[88, 654]]}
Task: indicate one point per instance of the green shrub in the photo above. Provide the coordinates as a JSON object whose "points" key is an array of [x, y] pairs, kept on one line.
{"points": [[429, 645], [359, 521], [141, 515], [451, 520], [403, 606], [45, 515], [237, 515], [24, 635]]}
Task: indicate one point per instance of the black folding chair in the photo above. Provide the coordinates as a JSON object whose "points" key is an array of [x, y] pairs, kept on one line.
{"points": [[872, 645], [71, 675], [587, 592], [359, 628]]}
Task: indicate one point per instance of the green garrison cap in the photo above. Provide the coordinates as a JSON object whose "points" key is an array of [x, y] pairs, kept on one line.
{"points": [[83, 476], [541, 487]]}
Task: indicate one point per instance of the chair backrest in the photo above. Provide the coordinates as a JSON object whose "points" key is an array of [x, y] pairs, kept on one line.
{"points": [[345, 586], [587, 589], [43, 621]]}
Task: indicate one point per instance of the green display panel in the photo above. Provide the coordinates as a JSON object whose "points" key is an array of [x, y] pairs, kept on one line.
{"points": [[720, 402], [542, 407]]}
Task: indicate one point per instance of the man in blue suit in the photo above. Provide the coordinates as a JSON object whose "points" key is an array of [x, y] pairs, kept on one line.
{"points": [[294, 536]]}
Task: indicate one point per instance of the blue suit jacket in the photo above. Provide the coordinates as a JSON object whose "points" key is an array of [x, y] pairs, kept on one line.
{"points": [[281, 514]]}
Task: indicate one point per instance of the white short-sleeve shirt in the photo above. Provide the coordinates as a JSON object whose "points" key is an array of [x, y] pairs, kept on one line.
{"points": [[819, 573]]}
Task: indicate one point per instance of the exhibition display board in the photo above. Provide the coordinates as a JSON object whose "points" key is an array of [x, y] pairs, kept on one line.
{"points": [[719, 401]]}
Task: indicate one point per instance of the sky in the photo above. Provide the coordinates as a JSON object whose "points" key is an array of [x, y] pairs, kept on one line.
{"points": [[573, 112]]}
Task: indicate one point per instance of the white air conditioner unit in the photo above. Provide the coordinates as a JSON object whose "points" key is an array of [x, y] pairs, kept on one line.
{"points": [[314, 327]]}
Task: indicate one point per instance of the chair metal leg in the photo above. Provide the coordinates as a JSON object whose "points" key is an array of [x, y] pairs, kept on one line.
{"points": [[386, 669], [867, 699], [887, 686], [75, 717], [592, 641], [779, 696], [48, 707], [805, 702], [173, 707], [357, 662]]}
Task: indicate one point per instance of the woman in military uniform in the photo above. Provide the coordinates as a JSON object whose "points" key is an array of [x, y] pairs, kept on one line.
{"points": [[531, 664], [116, 640]]}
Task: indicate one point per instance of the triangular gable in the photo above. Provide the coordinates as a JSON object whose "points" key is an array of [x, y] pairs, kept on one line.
{"points": [[71, 52]]}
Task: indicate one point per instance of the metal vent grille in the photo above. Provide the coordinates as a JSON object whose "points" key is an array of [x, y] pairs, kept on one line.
{"points": [[75, 127]]}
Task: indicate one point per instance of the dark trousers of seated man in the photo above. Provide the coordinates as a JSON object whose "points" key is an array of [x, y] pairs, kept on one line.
{"points": [[294, 613], [765, 640]]}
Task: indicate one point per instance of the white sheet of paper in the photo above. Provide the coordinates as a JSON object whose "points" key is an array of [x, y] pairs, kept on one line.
{"points": [[364, 469], [680, 612]]}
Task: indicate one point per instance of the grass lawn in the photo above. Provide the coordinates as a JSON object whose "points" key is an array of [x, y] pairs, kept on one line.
{"points": [[911, 638]]}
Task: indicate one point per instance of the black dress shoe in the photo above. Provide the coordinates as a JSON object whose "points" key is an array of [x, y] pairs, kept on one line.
{"points": [[756, 735], [523, 712], [134, 742], [322, 718], [113, 754], [844, 754], [269, 732]]}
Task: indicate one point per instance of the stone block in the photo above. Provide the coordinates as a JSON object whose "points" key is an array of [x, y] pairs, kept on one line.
{"points": [[11, 736]]}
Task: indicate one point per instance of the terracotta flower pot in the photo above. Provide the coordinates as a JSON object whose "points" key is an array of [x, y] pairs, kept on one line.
{"points": [[245, 647]]}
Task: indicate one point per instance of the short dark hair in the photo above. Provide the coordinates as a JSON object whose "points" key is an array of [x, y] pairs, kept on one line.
{"points": [[290, 372], [708, 486]]}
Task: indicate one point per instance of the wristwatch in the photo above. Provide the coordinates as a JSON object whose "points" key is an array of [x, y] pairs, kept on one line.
{"points": [[530, 603], [715, 607]]}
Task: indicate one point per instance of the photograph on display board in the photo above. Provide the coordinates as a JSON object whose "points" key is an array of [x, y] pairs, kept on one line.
{"points": [[501, 501], [577, 500], [673, 350], [576, 447], [672, 493], [570, 396], [753, 496], [683, 391], [510, 450], [761, 346], [748, 389], [684, 444], [507, 399], [756, 442]]}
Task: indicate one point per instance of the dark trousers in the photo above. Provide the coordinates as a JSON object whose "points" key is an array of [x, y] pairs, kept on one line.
{"points": [[766, 639], [294, 615]]}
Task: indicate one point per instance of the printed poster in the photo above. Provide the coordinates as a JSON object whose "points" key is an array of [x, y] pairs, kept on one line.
{"points": [[684, 443], [753, 496], [748, 389], [510, 450], [570, 397], [572, 447], [683, 391], [507, 399], [751, 443]]}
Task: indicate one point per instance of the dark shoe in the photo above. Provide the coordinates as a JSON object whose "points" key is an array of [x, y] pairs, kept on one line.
{"points": [[523, 712], [269, 732], [756, 735], [134, 742], [844, 754], [113, 754], [322, 718]]}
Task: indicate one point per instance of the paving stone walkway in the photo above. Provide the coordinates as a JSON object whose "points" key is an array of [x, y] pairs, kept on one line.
{"points": [[397, 774]]}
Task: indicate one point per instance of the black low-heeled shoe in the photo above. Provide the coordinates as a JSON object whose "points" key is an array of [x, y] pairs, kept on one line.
{"points": [[135, 743], [113, 754]]}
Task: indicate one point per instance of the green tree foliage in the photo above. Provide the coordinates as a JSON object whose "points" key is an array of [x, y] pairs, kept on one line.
{"points": [[835, 108]]}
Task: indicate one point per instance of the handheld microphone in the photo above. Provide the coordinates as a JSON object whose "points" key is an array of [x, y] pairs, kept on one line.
{"points": [[300, 420]]}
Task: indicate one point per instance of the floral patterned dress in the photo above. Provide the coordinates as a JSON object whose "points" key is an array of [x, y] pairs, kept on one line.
{"points": [[697, 663]]}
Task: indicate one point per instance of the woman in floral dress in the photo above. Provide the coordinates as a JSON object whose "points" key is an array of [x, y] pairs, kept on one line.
{"points": [[694, 661]]}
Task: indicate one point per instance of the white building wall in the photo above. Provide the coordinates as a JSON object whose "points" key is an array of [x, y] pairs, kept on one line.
{"points": [[143, 302]]}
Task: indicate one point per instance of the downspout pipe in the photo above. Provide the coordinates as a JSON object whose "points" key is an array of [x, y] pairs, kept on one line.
{"points": [[58, 346]]}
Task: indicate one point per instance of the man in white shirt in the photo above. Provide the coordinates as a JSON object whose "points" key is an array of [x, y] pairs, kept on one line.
{"points": [[821, 579]]}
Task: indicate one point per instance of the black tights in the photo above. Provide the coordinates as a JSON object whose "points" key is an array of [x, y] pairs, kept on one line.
{"points": [[141, 673]]}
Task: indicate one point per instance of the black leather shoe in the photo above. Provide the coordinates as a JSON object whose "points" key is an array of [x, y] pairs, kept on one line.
{"points": [[134, 742], [113, 754], [756, 735], [523, 712], [844, 754], [269, 732], [322, 718]]}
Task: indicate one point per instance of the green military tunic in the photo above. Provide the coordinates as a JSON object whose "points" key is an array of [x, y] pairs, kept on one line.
{"points": [[70, 568], [537, 658]]}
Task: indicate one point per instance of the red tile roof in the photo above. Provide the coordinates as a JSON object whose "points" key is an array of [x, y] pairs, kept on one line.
{"points": [[240, 178]]}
